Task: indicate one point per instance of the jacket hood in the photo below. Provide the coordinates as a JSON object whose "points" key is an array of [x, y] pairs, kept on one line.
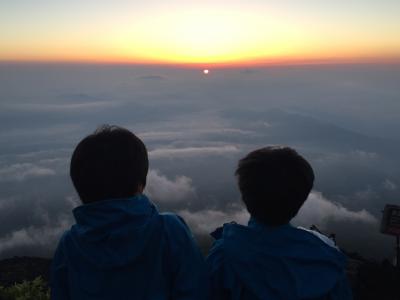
{"points": [[281, 262], [114, 233]]}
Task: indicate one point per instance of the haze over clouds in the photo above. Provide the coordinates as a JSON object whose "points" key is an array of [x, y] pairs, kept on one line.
{"points": [[342, 118]]}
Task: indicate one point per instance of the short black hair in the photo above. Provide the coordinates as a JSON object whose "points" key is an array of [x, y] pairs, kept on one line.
{"points": [[108, 164], [274, 183]]}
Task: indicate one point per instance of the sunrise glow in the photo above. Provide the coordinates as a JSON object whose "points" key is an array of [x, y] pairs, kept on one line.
{"points": [[198, 33]]}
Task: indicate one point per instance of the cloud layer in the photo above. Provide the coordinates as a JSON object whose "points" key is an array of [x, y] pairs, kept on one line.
{"points": [[22, 171], [196, 129], [192, 151], [320, 211], [163, 190]]}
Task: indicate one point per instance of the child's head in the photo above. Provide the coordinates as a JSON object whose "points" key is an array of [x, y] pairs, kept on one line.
{"points": [[110, 163], [274, 183]]}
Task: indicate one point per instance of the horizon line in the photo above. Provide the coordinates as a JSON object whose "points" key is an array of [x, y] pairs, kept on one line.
{"points": [[216, 65]]}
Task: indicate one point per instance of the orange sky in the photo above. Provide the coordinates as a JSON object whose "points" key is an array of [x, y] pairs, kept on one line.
{"points": [[193, 32]]}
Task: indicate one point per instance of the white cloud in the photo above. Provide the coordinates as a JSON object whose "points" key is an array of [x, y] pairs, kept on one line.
{"points": [[64, 107], [206, 221], [318, 210], [366, 195], [192, 151], [192, 133], [40, 238], [46, 237], [389, 185], [22, 171], [160, 135], [355, 156], [363, 155], [225, 130], [160, 188], [73, 201]]}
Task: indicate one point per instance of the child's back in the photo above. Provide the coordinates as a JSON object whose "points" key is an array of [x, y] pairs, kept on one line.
{"points": [[269, 258], [122, 248], [261, 262]]}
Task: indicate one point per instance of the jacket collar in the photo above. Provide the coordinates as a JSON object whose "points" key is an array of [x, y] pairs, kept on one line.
{"points": [[108, 208]]}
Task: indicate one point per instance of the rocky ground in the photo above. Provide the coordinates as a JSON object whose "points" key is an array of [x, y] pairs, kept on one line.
{"points": [[369, 280], [17, 269]]}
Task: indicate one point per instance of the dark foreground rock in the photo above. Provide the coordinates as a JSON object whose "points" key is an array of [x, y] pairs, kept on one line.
{"points": [[369, 280], [17, 269], [377, 281]]}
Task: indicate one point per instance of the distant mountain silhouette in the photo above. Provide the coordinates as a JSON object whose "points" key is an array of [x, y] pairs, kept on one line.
{"points": [[281, 127]]}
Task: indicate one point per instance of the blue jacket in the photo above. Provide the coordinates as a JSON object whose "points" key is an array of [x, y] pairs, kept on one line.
{"points": [[262, 262], [124, 249]]}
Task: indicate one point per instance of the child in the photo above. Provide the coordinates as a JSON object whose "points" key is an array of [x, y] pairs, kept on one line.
{"points": [[121, 247], [270, 259]]}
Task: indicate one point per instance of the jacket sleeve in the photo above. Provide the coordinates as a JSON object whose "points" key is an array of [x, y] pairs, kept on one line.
{"points": [[59, 275], [189, 271]]}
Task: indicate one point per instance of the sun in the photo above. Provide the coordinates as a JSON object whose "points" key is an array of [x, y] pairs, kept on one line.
{"points": [[206, 71]]}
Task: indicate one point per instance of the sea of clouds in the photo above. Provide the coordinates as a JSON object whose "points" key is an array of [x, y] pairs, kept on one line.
{"points": [[343, 119]]}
